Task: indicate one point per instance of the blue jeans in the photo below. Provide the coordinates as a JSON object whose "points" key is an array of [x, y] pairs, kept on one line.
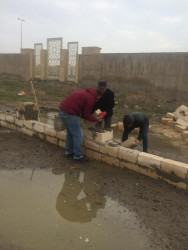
{"points": [[74, 134], [145, 138]]}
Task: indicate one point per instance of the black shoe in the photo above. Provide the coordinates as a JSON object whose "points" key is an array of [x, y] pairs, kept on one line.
{"points": [[69, 155], [83, 159]]}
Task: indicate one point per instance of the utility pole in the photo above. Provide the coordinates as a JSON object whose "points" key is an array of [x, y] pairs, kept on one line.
{"points": [[21, 20]]}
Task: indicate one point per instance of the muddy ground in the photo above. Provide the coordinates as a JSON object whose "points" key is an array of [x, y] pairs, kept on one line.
{"points": [[160, 206]]}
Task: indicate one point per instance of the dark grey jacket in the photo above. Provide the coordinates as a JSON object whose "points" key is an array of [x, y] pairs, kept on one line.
{"points": [[139, 120]]}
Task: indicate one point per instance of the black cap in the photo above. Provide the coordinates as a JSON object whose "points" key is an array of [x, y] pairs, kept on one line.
{"points": [[102, 84]]}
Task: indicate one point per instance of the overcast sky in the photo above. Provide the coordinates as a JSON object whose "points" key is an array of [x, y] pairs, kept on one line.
{"points": [[116, 26]]}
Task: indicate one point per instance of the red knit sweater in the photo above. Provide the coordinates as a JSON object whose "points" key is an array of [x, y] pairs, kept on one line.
{"points": [[80, 104]]}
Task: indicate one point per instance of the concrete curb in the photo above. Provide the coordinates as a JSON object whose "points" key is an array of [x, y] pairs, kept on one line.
{"points": [[173, 172]]}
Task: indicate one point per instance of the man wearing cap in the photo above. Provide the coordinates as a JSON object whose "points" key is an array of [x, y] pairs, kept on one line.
{"points": [[137, 120], [77, 104], [105, 104]]}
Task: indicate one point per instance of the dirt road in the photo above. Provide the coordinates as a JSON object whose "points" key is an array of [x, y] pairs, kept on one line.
{"points": [[160, 206]]}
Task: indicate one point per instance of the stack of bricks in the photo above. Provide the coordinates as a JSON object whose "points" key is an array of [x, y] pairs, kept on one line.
{"points": [[177, 125], [105, 150]]}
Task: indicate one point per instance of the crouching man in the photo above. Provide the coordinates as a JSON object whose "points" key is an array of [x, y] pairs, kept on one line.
{"points": [[137, 120]]}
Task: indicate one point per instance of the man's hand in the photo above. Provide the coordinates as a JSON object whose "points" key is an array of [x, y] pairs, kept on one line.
{"points": [[99, 119], [137, 142]]}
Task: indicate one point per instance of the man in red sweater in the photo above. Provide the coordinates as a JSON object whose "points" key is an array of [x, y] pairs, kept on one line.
{"points": [[78, 104]]}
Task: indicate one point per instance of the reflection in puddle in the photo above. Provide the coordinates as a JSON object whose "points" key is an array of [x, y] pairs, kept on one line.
{"points": [[63, 210]]}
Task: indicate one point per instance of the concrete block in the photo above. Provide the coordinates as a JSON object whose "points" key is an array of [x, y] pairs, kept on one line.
{"points": [[4, 124], [171, 124], [38, 126], [166, 120], [128, 154], [114, 125], [185, 134], [94, 155], [129, 143], [19, 122], [182, 123], [83, 150], [91, 145], [2, 116], [28, 132], [131, 166], [10, 118], [120, 126], [11, 126], [49, 130], [111, 151], [150, 165], [175, 172], [52, 140], [61, 135], [20, 129], [170, 115], [62, 143], [28, 124], [41, 136], [180, 128], [110, 160], [102, 136]]}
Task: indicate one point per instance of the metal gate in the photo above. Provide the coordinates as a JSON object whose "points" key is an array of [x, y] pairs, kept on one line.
{"points": [[54, 46], [72, 66], [37, 59]]}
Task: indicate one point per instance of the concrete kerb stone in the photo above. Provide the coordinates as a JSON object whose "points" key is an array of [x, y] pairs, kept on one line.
{"points": [[175, 173], [2, 117], [29, 124], [129, 165], [61, 143], [19, 122], [38, 126], [52, 140], [61, 135], [110, 160], [11, 126], [91, 145], [109, 150], [49, 130], [10, 118], [128, 154], [92, 154], [150, 165]]}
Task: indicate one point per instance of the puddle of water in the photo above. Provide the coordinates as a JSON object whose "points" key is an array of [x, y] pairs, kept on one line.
{"points": [[44, 209]]}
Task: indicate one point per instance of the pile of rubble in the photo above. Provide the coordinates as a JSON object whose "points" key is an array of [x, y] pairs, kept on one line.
{"points": [[178, 120]]}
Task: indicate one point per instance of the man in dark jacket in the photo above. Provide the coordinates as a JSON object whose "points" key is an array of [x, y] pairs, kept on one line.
{"points": [[77, 104], [105, 104], [136, 120]]}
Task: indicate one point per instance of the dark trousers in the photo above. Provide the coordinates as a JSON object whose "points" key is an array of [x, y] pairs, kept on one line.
{"points": [[107, 122], [145, 138]]}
